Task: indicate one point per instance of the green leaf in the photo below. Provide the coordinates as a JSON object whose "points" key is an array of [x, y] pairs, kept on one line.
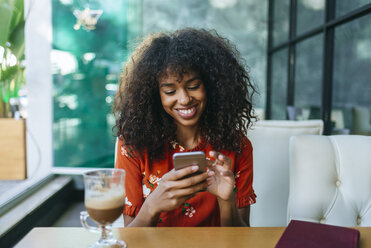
{"points": [[17, 40], [17, 14], [187, 204], [12, 75], [8, 73], [6, 16], [5, 91], [18, 82], [12, 15]]}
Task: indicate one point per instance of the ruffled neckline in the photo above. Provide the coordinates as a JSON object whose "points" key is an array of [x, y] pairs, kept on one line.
{"points": [[178, 147]]}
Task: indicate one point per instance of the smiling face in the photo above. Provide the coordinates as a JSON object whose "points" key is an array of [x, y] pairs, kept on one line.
{"points": [[184, 98]]}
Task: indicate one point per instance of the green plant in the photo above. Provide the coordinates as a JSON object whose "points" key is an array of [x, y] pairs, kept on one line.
{"points": [[12, 43]]}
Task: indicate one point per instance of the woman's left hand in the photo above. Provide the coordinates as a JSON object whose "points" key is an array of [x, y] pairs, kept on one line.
{"points": [[221, 179]]}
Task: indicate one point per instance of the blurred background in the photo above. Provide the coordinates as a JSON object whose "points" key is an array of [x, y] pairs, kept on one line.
{"points": [[310, 59], [86, 63]]}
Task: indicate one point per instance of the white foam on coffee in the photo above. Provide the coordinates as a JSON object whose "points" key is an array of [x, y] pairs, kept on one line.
{"points": [[108, 200]]}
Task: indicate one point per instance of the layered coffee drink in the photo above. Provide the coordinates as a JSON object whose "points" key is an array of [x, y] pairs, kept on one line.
{"points": [[104, 202], [105, 208]]}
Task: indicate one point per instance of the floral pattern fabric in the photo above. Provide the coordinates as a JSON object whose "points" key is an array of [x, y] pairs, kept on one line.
{"points": [[143, 176]]}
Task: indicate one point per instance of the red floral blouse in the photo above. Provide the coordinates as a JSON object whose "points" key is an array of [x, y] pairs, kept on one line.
{"points": [[143, 175]]}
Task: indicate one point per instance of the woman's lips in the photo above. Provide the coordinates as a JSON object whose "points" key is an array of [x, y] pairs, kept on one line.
{"points": [[187, 113]]}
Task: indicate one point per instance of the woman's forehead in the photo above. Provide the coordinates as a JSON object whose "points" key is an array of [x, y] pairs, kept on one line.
{"points": [[177, 74]]}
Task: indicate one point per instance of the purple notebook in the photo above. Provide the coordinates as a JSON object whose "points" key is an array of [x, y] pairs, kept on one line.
{"points": [[305, 234]]}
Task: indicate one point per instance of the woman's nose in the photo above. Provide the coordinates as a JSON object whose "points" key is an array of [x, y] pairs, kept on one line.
{"points": [[185, 98]]}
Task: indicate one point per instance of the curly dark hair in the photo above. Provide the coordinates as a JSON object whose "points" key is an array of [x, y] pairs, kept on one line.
{"points": [[141, 120]]}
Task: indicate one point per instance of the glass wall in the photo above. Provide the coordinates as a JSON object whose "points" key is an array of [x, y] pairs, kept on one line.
{"points": [[279, 84], [308, 77], [87, 60], [328, 70], [281, 21], [310, 14], [352, 85], [344, 7]]}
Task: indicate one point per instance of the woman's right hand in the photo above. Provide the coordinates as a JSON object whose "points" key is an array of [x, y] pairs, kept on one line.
{"points": [[174, 189]]}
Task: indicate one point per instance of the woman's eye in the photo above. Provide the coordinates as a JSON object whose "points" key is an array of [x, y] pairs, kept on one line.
{"points": [[194, 87], [169, 92]]}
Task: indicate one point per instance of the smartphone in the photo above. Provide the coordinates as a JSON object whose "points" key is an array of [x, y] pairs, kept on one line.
{"points": [[184, 159]]}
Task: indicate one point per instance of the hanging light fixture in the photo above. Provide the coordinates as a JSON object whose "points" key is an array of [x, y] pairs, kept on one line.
{"points": [[87, 18]]}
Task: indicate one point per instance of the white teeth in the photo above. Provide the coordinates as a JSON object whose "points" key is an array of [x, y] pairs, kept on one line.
{"points": [[186, 111]]}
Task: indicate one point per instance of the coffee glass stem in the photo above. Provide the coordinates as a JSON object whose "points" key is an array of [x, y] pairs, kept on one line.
{"points": [[106, 233]]}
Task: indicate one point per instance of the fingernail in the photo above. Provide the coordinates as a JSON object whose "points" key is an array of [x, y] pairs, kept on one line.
{"points": [[195, 168]]}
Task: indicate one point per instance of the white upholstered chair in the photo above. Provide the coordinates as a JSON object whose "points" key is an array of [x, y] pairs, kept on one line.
{"points": [[270, 140], [361, 121], [330, 179], [120, 221]]}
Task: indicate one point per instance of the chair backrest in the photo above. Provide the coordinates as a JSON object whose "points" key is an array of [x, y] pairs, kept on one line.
{"points": [[294, 113], [330, 179], [361, 121], [270, 140], [120, 221], [116, 143]]}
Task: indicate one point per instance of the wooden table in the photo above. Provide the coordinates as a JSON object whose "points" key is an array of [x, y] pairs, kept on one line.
{"points": [[167, 237]]}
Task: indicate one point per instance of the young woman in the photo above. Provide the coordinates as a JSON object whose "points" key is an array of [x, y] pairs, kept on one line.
{"points": [[180, 92]]}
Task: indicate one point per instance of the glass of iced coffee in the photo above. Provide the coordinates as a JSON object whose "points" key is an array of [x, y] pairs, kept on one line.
{"points": [[104, 202]]}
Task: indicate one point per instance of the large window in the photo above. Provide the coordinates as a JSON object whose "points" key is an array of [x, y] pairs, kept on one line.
{"points": [[309, 14], [326, 51], [279, 84], [308, 76], [351, 80], [280, 22], [86, 62]]}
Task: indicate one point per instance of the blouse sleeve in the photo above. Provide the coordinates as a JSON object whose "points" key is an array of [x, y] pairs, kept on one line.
{"points": [[244, 176], [127, 160]]}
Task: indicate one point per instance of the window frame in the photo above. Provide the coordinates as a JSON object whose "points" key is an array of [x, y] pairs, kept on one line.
{"points": [[331, 21]]}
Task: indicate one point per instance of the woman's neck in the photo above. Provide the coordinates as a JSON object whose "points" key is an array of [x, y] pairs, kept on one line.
{"points": [[188, 137]]}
